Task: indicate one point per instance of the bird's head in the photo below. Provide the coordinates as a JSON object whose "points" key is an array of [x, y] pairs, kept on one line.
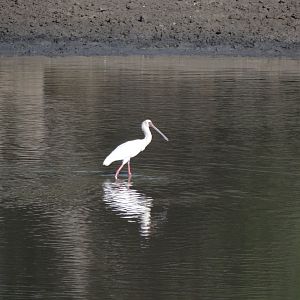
{"points": [[148, 123]]}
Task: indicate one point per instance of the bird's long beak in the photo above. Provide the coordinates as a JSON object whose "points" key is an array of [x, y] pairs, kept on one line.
{"points": [[159, 132]]}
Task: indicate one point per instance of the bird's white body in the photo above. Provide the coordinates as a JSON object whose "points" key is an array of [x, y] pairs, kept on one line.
{"points": [[127, 150]]}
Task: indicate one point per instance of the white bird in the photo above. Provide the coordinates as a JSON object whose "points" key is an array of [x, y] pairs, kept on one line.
{"points": [[131, 149]]}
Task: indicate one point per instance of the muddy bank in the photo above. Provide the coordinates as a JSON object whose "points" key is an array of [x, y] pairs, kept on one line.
{"points": [[91, 27]]}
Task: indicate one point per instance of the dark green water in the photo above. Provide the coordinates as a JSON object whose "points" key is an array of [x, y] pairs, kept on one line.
{"points": [[212, 214]]}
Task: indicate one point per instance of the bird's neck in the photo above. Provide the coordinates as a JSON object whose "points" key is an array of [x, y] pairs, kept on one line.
{"points": [[148, 136]]}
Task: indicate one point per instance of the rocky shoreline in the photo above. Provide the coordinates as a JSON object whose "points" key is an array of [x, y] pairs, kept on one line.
{"points": [[124, 27]]}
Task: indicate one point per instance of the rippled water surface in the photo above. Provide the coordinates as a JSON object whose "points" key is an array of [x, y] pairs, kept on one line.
{"points": [[212, 214]]}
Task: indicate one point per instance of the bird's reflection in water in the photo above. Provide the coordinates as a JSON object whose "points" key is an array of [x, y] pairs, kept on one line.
{"points": [[129, 204]]}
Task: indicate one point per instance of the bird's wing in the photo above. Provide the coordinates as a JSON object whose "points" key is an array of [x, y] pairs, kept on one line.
{"points": [[125, 151]]}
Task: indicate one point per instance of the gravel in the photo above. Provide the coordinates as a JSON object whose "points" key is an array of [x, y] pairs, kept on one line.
{"points": [[94, 27]]}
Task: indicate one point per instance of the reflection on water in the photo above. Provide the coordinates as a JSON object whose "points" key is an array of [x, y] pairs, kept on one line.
{"points": [[214, 214], [128, 203], [22, 112]]}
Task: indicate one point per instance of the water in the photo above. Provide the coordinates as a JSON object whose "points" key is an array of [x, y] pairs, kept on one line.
{"points": [[212, 214]]}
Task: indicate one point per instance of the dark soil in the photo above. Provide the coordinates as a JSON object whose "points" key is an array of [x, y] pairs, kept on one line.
{"points": [[91, 27]]}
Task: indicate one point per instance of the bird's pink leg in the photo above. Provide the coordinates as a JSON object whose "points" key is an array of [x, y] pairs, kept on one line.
{"points": [[129, 171], [118, 171]]}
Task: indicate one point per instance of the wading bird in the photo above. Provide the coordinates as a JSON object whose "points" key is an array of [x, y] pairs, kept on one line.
{"points": [[131, 149]]}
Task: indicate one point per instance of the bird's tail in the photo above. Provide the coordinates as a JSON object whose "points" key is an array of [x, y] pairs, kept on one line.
{"points": [[107, 161]]}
